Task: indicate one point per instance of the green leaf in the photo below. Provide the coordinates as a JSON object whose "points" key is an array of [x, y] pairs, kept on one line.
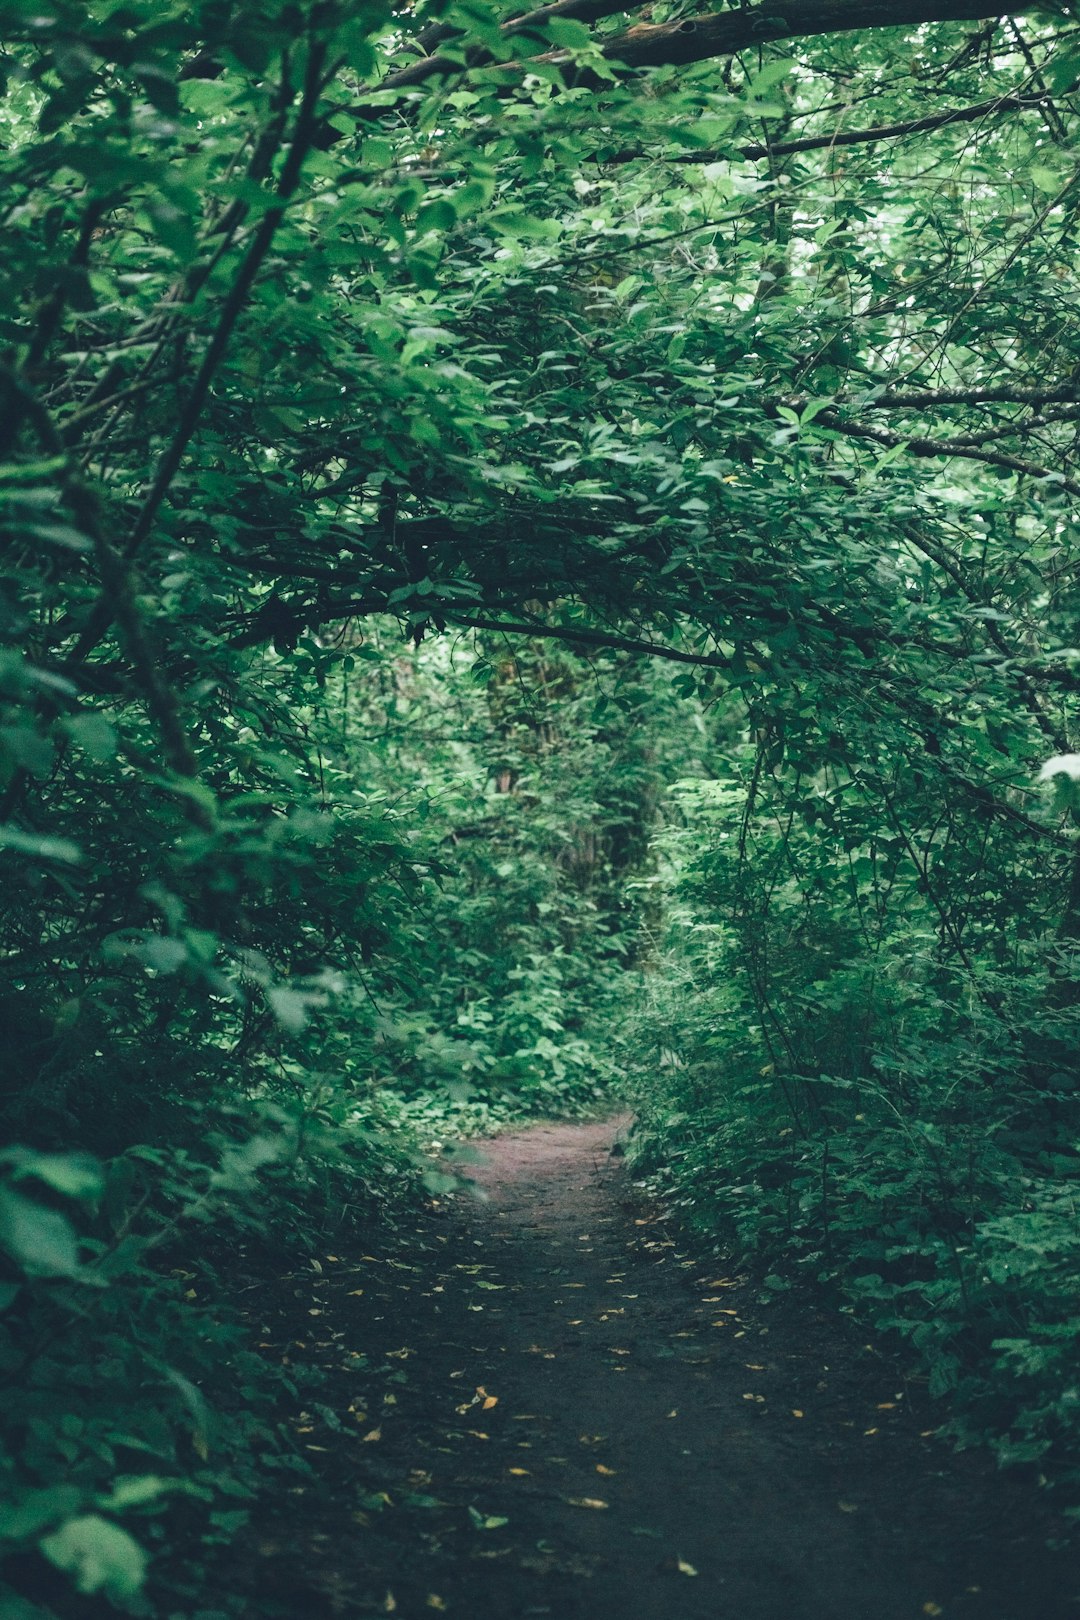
{"points": [[40, 845], [76, 1175], [35, 1510], [94, 733], [99, 1556], [41, 1240]]}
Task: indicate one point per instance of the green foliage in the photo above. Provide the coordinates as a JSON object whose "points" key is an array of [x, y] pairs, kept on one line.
{"points": [[337, 389], [861, 1068]]}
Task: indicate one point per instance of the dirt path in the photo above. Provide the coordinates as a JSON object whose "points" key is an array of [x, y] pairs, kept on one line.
{"points": [[562, 1415]]}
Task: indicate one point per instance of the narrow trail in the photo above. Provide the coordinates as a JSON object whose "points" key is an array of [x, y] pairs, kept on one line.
{"points": [[560, 1414]]}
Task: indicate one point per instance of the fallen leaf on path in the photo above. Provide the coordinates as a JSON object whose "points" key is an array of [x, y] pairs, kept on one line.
{"points": [[434, 1601], [796, 1413], [372, 1434], [847, 1507], [673, 1413], [586, 1502], [684, 1568], [487, 1521], [610, 1472], [932, 1608], [753, 1397], [521, 1473], [489, 1402], [389, 1603]]}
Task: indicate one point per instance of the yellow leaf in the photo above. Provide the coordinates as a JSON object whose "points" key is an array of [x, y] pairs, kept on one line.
{"points": [[434, 1601], [886, 1406], [389, 1603], [607, 1472], [795, 1412], [847, 1507], [932, 1608], [489, 1402], [520, 1472], [684, 1568], [586, 1502], [372, 1434], [869, 1431]]}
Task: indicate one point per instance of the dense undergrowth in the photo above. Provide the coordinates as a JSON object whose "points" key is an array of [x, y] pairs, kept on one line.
{"points": [[858, 1066]]}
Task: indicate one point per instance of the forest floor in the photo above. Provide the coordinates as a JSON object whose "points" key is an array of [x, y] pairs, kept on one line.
{"points": [[541, 1404]]}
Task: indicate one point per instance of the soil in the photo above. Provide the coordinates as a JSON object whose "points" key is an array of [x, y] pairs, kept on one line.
{"points": [[543, 1403]]}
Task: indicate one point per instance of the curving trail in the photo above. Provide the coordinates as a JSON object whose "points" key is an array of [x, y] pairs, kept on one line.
{"points": [[562, 1415]]}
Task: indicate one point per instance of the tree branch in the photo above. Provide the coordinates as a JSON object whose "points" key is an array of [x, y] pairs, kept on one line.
{"points": [[886, 132], [928, 399], [917, 446], [696, 39]]}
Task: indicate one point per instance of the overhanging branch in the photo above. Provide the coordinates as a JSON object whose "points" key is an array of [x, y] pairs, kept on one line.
{"points": [[916, 445], [697, 39]]}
